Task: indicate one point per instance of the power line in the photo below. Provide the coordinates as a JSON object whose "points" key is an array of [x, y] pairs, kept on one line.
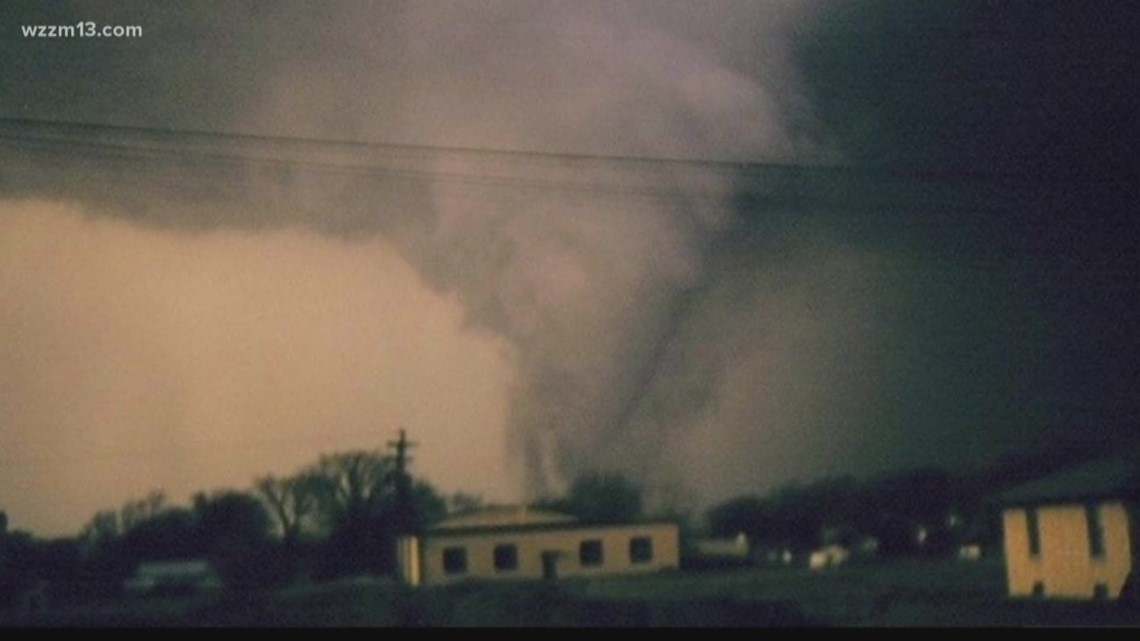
{"points": [[483, 166], [651, 177], [35, 129]]}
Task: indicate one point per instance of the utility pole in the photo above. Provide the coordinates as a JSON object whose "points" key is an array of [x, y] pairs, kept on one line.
{"points": [[408, 560], [404, 508]]}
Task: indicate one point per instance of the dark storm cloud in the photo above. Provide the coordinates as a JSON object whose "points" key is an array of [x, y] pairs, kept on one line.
{"points": [[1041, 88], [676, 321], [1027, 111]]}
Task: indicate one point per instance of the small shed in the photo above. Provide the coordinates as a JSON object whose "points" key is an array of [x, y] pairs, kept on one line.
{"points": [[164, 577]]}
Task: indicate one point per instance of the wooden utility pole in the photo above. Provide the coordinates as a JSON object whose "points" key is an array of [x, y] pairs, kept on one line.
{"points": [[405, 511]]}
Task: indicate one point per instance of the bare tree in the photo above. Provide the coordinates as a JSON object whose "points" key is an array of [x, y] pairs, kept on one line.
{"points": [[109, 525], [352, 484], [135, 512], [102, 527], [293, 502]]}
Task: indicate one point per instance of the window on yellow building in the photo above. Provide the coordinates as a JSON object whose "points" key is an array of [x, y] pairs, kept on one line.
{"points": [[590, 553], [1095, 530], [640, 549], [506, 557], [1034, 532], [455, 560]]}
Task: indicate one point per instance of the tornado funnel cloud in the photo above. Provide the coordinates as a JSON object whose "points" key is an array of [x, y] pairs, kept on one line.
{"points": [[620, 196]]}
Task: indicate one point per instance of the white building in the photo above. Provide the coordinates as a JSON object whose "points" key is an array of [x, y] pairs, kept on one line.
{"points": [[190, 575], [1072, 535], [519, 543]]}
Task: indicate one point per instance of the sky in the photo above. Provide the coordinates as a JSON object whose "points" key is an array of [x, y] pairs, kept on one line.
{"points": [[717, 247]]}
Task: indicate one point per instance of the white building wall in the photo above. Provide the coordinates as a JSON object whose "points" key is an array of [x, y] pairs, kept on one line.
{"points": [[532, 544]]}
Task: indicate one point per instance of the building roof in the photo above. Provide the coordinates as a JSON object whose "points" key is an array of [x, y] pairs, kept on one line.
{"points": [[507, 516], [173, 569], [516, 518], [1098, 479]]}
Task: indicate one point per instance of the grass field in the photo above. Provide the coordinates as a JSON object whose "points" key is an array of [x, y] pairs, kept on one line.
{"points": [[911, 593]]}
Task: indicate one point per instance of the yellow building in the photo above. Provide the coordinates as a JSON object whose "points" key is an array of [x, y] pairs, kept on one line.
{"points": [[1072, 535], [519, 543]]}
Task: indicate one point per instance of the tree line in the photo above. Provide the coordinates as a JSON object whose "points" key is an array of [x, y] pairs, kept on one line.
{"points": [[927, 512], [338, 516]]}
